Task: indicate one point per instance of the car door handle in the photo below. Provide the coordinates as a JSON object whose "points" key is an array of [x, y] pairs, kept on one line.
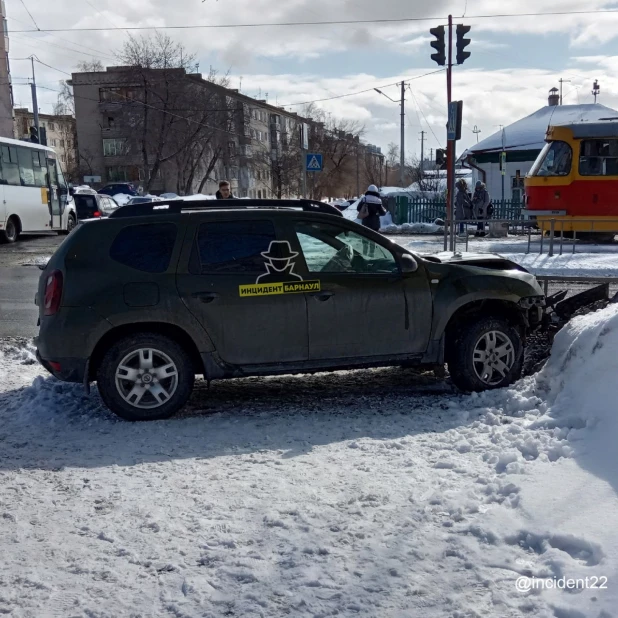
{"points": [[322, 296], [205, 297]]}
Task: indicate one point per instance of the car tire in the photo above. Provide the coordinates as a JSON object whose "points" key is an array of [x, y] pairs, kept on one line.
{"points": [[129, 394], [11, 233], [71, 223], [488, 353]]}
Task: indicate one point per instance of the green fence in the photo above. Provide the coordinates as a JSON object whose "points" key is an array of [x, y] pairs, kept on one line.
{"points": [[415, 210]]}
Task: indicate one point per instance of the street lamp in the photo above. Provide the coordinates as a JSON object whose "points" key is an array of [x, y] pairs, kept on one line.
{"points": [[402, 146]]}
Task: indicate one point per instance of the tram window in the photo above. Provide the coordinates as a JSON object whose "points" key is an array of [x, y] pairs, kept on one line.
{"points": [[557, 161], [599, 157]]}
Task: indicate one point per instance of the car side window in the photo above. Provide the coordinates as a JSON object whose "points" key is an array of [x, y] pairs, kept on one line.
{"points": [[231, 247], [146, 247], [329, 248]]}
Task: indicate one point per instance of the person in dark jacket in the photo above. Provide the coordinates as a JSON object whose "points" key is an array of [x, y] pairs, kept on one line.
{"points": [[374, 208], [480, 202], [225, 191], [463, 204]]}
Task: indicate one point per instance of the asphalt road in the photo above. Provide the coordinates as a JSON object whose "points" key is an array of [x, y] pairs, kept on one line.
{"points": [[18, 313]]}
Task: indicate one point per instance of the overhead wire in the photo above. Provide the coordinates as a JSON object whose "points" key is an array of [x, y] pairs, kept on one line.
{"points": [[351, 94], [324, 22], [29, 13], [426, 121]]}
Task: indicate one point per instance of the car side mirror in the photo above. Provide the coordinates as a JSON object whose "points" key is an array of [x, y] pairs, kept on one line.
{"points": [[408, 264], [71, 190]]}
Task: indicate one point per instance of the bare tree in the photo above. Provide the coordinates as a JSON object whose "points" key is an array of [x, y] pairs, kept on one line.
{"points": [[176, 117], [90, 66]]}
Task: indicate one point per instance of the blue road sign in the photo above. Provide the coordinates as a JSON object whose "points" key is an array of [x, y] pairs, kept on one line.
{"points": [[313, 162], [451, 127]]}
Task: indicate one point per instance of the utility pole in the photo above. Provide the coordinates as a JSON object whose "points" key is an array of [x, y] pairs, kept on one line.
{"points": [[357, 170], [450, 152], [422, 152], [596, 89], [566, 81], [35, 105], [402, 156], [476, 131]]}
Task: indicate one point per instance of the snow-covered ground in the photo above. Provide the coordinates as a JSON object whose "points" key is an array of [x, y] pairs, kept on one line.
{"points": [[589, 260], [365, 493]]}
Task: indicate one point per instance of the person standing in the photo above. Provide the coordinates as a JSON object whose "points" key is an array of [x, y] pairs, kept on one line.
{"points": [[463, 205], [225, 191], [480, 202], [370, 208]]}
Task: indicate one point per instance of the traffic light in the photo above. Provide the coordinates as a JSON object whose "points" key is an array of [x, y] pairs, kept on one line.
{"points": [[43, 136], [34, 135], [438, 45], [462, 43], [440, 157]]}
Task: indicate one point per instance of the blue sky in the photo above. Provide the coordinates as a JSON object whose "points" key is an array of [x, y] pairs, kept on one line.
{"points": [[514, 61]]}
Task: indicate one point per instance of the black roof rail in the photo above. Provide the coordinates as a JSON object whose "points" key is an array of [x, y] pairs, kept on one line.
{"points": [[178, 205]]}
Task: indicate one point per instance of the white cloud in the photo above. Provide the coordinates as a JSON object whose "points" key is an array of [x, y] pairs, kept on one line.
{"points": [[262, 55]]}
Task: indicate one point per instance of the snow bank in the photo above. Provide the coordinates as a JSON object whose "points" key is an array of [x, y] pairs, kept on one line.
{"points": [[198, 196], [582, 386], [413, 228], [121, 198]]}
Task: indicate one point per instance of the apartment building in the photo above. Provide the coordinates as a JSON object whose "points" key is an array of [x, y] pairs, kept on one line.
{"points": [[6, 90], [205, 133], [60, 135]]}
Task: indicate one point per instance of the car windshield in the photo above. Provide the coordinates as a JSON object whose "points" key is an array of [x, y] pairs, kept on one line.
{"points": [[554, 160]]}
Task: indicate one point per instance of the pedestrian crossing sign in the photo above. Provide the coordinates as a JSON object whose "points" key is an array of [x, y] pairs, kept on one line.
{"points": [[313, 162]]}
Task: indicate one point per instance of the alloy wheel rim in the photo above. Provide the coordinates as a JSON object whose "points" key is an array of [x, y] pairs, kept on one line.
{"points": [[493, 357], [146, 378]]}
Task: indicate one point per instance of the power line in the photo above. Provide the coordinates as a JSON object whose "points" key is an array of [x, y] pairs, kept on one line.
{"points": [[71, 49], [423, 113], [32, 18], [351, 94], [342, 22]]}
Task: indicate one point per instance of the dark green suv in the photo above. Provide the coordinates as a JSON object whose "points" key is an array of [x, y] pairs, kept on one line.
{"points": [[152, 296]]}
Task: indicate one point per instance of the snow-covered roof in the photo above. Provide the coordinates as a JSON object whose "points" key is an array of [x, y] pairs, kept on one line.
{"points": [[529, 132]]}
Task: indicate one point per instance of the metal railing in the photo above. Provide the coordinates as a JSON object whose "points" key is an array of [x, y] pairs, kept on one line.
{"points": [[546, 279], [554, 241], [406, 209]]}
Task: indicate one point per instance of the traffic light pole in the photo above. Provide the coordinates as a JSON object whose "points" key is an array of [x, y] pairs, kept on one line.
{"points": [[35, 105], [450, 150], [402, 156]]}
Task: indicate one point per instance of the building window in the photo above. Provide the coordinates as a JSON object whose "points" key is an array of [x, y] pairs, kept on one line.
{"points": [[52, 142], [63, 158], [117, 173], [51, 126], [61, 143], [115, 147], [111, 123]]}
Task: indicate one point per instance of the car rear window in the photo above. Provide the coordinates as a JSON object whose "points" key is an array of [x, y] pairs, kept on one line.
{"points": [[231, 247], [86, 206], [145, 247]]}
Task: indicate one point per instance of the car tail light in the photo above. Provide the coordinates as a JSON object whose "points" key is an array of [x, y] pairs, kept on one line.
{"points": [[96, 213], [55, 366], [53, 292]]}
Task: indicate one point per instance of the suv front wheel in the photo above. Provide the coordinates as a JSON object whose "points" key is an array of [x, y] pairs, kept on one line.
{"points": [[488, 353], [145, 377]]}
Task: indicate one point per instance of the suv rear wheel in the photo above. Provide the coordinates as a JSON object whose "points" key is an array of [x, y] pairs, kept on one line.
{"points": [[145, 377], [488, 353]]}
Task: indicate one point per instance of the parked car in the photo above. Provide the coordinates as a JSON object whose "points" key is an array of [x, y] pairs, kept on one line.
{"points": [[142, 199], [126, 188], [91, 205], [148, 298]]}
